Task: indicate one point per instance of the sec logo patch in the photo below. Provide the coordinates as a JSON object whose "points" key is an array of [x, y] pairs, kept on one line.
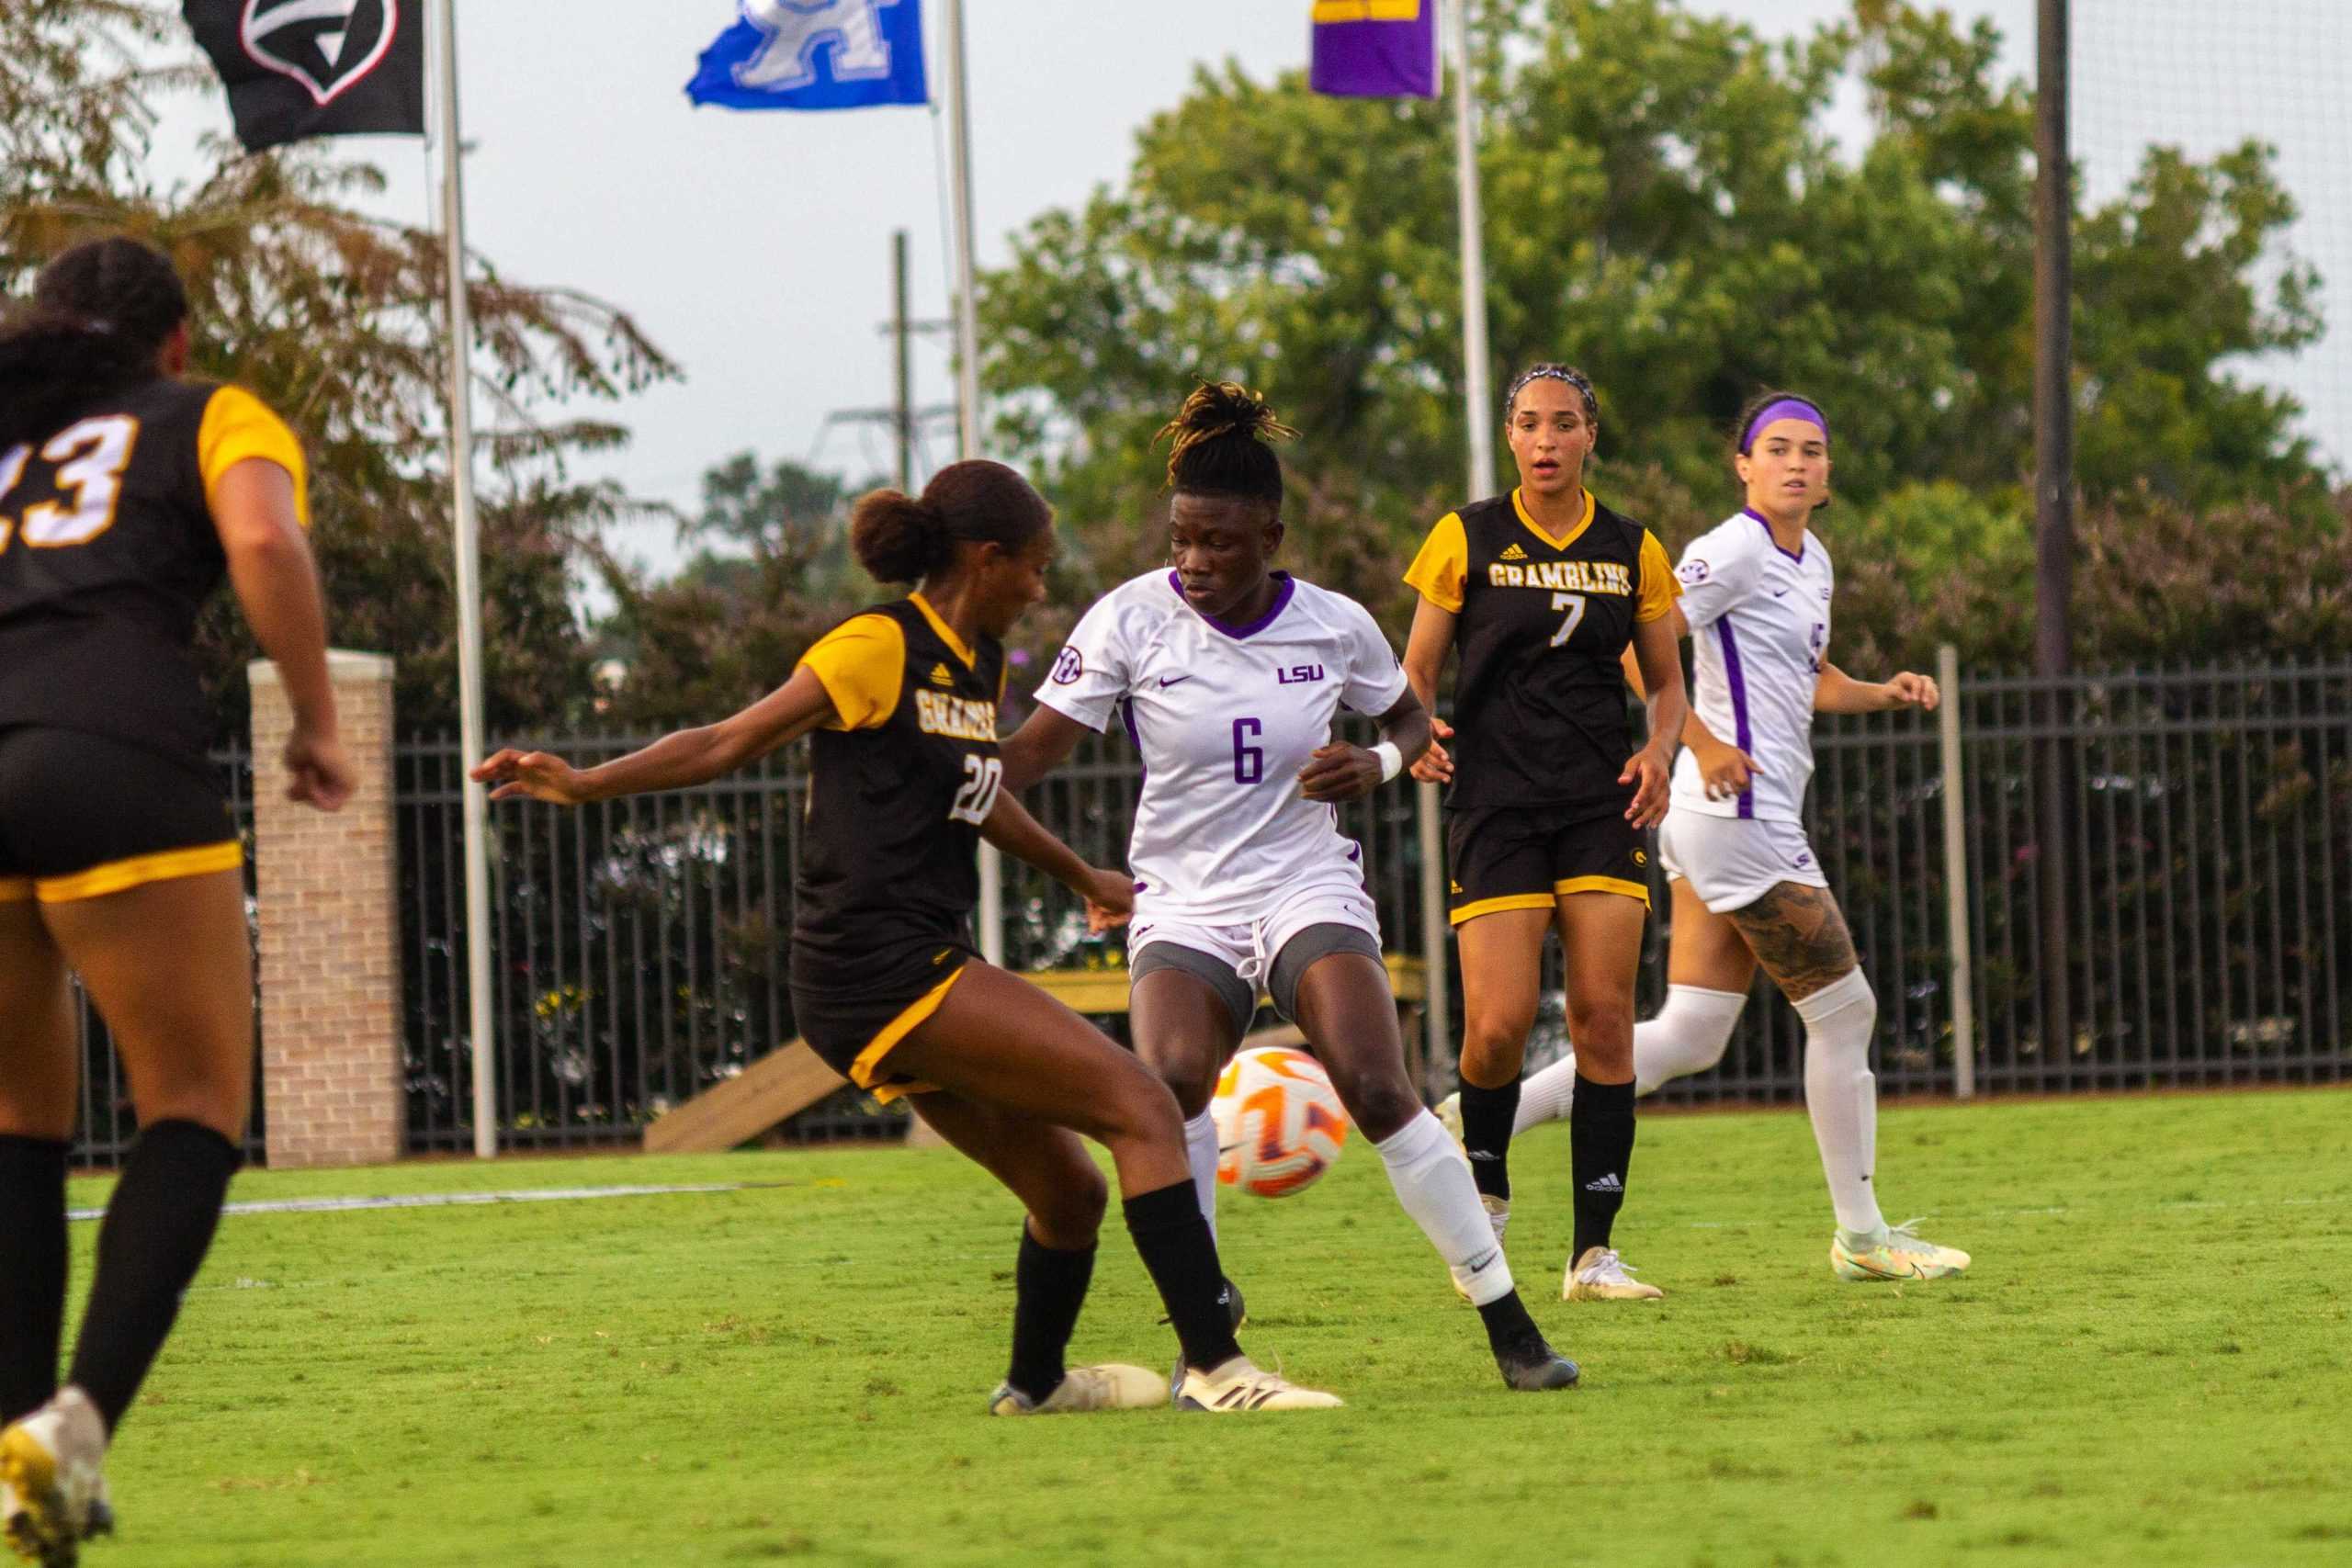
{"points": [[1692, 572], [1068, 665]]}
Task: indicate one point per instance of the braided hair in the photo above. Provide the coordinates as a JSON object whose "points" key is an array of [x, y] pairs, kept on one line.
{"points": [[1221, 444], [100, 311]]}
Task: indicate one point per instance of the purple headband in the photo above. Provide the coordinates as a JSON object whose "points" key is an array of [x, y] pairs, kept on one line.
{"points": [[1785, 407]]}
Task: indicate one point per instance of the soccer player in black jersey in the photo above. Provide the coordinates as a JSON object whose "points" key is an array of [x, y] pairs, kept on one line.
{"points": [[1542, 590], [125, 494], [899, 704]]}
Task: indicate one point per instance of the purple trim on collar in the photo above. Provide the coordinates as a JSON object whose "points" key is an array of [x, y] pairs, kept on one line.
{"points": [[1285, 585], [1797, 554]]}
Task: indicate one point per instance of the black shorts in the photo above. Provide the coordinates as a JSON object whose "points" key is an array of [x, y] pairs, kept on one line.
{"points": [[82, 816], [1516, 857], [853, 1032]]}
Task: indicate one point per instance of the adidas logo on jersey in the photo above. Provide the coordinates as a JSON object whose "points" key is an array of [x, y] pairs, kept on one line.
{"points": [[1513, 552], [940, 677]]}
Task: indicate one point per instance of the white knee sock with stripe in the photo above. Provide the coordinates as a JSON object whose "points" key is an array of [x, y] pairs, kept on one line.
{"points": [[1842, 1097], [1433, 1183], [1688, 1035], [1200, 1152]]}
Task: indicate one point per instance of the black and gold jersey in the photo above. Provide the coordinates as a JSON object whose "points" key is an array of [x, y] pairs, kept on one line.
{"points": [[108, 552], [1539, 704], [900, 780]]}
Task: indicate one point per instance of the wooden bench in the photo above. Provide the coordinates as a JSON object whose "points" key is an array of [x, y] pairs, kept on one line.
{"points": [[786, 1082]]}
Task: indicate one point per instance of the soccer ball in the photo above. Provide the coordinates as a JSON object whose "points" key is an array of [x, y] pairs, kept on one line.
{"points": [[1279, 1122]]}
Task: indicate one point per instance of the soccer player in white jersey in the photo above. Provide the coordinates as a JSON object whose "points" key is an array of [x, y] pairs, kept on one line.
{"points": [[1228, 675], [1748, 888]]}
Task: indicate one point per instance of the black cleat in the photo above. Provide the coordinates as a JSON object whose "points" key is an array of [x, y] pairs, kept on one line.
{"points": [[1533, 1366]]}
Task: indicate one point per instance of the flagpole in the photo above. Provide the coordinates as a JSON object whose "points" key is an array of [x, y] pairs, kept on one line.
{"points": [[469, 592], [1478, 409], [967, 380]]}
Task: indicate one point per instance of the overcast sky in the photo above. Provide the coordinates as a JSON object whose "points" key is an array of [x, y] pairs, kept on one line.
{"points": [[753, 247]]}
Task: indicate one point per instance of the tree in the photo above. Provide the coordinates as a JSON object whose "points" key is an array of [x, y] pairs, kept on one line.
{"points": [[333, 319], [772, 575], [1666, 208]]}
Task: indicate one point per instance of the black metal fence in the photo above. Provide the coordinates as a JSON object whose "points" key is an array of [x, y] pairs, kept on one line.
{"points": [[2209, 885], [107, 1122], [638, 945]]}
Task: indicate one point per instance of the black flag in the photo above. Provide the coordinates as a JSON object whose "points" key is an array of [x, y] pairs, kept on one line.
{"points": [[298, 68]]}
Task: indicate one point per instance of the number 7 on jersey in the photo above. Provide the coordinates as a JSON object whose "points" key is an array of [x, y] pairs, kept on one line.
{"points": [[1574, 605]]}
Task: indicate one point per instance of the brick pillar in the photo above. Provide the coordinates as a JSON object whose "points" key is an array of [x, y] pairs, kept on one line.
{"points": [[332, 1084]]}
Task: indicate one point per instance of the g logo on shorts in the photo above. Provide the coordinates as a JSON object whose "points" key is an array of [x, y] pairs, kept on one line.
{"points": [[1068, 665]]}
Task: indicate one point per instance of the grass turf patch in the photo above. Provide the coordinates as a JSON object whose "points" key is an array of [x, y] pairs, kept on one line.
{"points": [[2145, 1365]]}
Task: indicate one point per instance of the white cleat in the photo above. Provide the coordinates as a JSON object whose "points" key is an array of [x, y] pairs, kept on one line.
{"points": [[1240, 1385], [1110, 1386], [52, 1484], [1601, 1275]]}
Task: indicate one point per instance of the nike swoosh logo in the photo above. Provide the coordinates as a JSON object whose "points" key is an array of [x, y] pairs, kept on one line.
{"points": [[1777, 594], [1173, 680]]}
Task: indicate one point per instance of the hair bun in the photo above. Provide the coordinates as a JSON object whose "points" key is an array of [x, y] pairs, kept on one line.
{"points": [[896, 537]]}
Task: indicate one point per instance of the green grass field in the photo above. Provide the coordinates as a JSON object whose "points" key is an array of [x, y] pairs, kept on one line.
{"points": [[2147, 1364]]}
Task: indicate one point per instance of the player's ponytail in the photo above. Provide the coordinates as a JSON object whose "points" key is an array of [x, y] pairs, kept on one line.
{"points": [[899, 537], [99, 314], [1220, 444]]}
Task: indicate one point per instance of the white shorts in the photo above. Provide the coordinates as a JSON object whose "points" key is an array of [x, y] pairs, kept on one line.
{"points": [[1251, 946], [1731, 861]]}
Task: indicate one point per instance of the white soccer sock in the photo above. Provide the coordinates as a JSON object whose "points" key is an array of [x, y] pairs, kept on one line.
{"points": [[1545, 1096], [1842, 1097], [1433, 1183], [1201, 1152], [1688, 1035]]}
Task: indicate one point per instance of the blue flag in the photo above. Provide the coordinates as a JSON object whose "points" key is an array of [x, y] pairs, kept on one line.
{"points": [[816, 54]]}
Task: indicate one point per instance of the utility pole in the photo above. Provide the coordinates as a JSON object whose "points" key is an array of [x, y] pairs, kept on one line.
{"points": [[906, 422], [903, 362], [2053, 485]]}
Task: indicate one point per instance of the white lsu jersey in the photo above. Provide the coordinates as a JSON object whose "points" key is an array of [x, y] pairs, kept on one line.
{"points": [[1759, 628], [1224, 716]]}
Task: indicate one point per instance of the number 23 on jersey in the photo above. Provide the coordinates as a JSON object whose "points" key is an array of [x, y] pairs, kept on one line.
{"points": [[90, 456]]}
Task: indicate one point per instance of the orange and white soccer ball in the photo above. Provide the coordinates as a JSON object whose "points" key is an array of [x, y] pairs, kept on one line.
{"points": [[1279, 1122]]}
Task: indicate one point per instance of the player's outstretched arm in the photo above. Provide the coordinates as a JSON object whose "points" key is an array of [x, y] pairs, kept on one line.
{"points": [[1110, 895], [1043, 743], [680, 758], [1837, 691]]}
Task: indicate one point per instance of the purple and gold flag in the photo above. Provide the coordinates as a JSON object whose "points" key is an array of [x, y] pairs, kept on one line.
{"points": [[1375, 49]]}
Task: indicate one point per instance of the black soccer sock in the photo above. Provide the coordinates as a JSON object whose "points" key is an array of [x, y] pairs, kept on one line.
{"points": [[32, 1270], [1181, 1256], [1048, 1289], [156, 1232], [1508, 1327], [1600, 1149], [1487, 1118]]}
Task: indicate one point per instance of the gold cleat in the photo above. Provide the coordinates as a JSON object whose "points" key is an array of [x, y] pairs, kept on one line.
{"points": [[1899, 1254], [1599, 1275], [52, 1490], [1240, 1385], [1110, 1386]]}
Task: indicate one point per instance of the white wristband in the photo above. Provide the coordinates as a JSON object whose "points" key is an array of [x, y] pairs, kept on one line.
{"points": [[1392, 760]]}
